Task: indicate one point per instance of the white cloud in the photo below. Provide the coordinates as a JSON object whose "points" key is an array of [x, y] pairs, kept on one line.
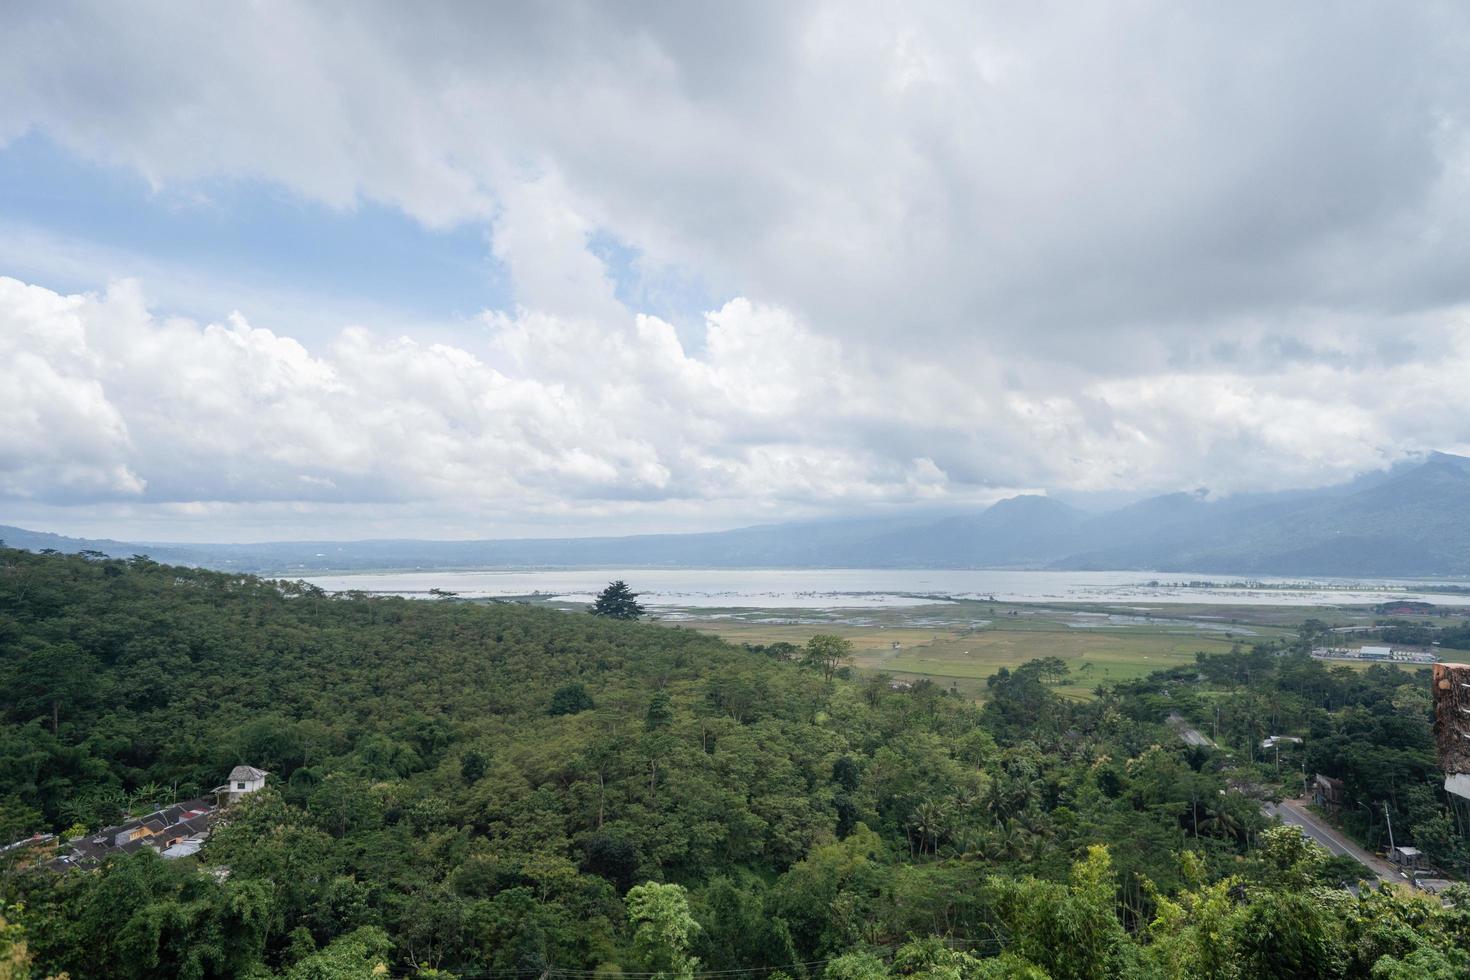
{"points": [[572, 420], [551, 409], [59, 434], [960, 248]]}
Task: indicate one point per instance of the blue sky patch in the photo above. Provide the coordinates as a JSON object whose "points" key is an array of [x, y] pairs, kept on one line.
{"points": [[252, 233]]}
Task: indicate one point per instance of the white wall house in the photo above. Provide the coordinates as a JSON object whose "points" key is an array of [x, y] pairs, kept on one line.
{"points": [[243, 781]]}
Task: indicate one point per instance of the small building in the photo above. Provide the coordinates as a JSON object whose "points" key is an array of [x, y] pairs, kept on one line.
{"points": [[187, 847], [1378, 653], [1407, 858], [1271, 741], [1327, 792], [243, 781]]}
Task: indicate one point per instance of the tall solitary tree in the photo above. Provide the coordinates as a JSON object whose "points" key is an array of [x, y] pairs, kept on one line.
{"points": [[826, 652], [617, 601]]}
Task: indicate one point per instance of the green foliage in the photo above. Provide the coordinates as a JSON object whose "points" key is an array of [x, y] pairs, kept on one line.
{"points": [[570, 699], [617, 601], [738, 928], [663, 929], [856, 966], [470, 788], [146, 917], [1071, 931], [826, 652], [472, 766], [359, 955], [15, 957]]}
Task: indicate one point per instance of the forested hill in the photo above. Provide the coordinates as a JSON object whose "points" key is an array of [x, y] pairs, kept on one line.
{"points": [[501, 790]]}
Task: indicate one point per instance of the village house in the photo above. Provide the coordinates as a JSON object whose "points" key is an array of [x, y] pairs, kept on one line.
{"points": [[157, 831], [243, 781], [1327, 792], [175, 831]]}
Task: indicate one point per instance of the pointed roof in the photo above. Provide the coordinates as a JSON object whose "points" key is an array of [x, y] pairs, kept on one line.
{"points": [[247, 774]]}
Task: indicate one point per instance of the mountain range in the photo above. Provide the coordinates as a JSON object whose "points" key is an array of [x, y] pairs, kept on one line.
{"points": [[1412, 520]]}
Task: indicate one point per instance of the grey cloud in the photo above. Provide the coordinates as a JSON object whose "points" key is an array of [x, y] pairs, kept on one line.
{"points": [[965, 247], [1012, 169]]}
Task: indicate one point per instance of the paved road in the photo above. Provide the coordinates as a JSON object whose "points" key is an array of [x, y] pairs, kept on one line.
{"points": [[1295, 813]]}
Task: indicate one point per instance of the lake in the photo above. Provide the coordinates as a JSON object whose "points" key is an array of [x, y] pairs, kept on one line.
{"points": [[853, 588]]}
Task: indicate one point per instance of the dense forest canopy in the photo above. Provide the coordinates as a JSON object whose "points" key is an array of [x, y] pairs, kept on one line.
{"points": [[473, 789]]}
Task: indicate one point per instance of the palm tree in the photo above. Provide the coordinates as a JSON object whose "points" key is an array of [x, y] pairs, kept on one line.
{"points": [[967, 799], [1221, 820], [928, 821]]}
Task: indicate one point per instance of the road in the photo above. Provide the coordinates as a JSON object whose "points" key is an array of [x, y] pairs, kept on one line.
{"points": [[1191, 736], [1294, 812]]}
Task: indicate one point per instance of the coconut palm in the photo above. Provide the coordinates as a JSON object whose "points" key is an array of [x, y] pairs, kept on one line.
{"points": [[929, 821]]}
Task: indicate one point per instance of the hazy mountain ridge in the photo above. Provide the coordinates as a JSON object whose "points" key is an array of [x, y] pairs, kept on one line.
{"points": [[1412, 520]]}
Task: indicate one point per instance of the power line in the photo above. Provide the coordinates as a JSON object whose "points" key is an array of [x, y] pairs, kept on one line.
{"points": [[886, 952]]}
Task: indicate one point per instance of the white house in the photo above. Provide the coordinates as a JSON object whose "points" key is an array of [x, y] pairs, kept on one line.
{"points": [[243, 781]]}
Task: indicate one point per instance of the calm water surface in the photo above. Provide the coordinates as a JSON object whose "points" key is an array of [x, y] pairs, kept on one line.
{"points": [[870, 588]]}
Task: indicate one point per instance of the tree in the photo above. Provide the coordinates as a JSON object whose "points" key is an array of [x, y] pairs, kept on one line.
{"points": [[472, 767], [846, 774], [361, 953], [617, 601], [1071, 931], [52, 678], [612, 858], [15, 959], [569, 699], [660, 712], [826, 652], [1286, 933], [663, 929], [1051, 670], [343, 803]]}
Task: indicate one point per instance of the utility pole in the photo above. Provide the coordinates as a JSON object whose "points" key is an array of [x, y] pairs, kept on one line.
{"points": [[1390, 826], [1372, 837]]}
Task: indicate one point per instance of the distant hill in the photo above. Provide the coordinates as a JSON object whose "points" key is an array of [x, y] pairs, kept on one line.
{"points": [[1413, 520], [17, 537]]}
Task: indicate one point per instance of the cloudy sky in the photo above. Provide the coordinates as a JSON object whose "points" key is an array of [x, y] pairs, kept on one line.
{"points": [[350, 269]]}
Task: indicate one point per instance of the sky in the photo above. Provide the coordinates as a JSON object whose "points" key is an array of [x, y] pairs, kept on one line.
{"points": [[362, 269]]}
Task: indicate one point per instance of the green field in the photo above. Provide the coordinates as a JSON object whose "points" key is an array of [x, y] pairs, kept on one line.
{"points": [[956, 654]]}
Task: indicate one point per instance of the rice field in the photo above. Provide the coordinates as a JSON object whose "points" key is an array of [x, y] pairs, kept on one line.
{"points": [[973, 644]]}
